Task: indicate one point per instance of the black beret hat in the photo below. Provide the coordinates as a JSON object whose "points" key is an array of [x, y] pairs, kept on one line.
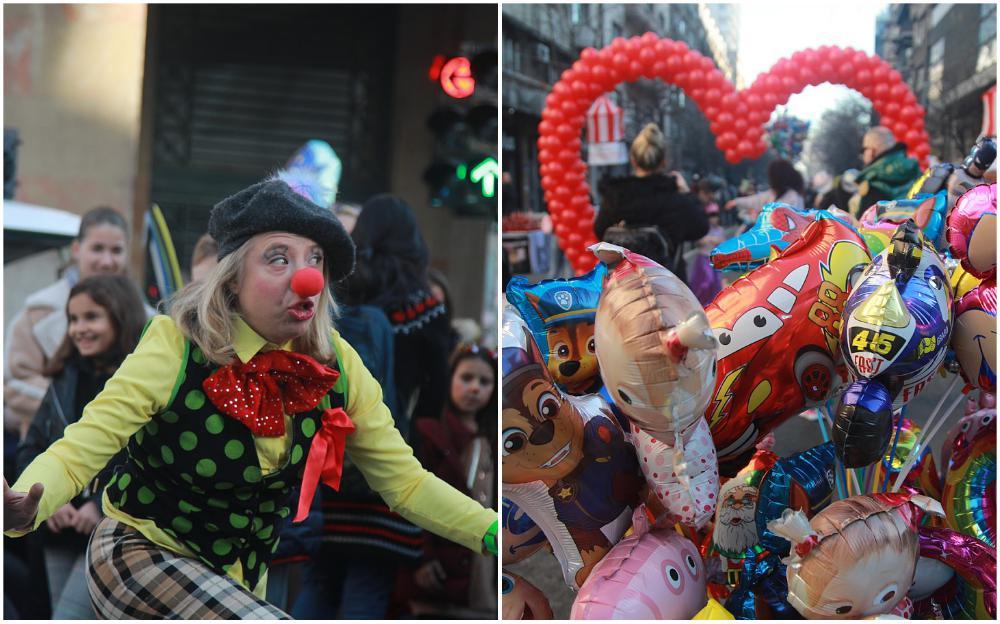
{"points": [[272, 206]]}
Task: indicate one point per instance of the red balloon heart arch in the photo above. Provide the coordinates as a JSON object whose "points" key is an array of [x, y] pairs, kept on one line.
{"points": [[736, 118]]}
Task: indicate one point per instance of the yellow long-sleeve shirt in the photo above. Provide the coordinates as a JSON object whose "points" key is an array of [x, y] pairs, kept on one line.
{"points": [[144, 385]]}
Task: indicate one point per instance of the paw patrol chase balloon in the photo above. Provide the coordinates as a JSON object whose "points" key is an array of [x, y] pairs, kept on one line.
{"points": [[560, 313], [777, 330], [565, 460], [895, 335]]}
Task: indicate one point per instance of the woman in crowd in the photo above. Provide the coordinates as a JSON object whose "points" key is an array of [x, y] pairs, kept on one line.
{"points": [[105, 317], [651, 212], [786, 186], [245, 392]]}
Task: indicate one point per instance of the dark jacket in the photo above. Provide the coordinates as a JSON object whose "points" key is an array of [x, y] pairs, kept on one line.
{"points": [[652, 201], [887, 177], [60, 408]]}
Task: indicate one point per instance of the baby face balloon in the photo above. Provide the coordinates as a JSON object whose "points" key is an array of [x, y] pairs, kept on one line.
{"points": [[654, 344]]}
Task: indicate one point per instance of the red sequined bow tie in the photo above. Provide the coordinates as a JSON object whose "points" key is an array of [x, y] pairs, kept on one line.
{"points": [[271, 384]]}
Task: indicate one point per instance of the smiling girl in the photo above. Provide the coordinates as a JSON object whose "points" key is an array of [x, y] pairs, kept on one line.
{"points": [[105, 317]]}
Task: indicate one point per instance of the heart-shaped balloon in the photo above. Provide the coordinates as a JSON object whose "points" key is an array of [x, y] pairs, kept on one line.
{"points": [[736, 118]]}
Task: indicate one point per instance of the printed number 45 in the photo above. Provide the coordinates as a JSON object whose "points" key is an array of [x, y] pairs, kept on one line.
{"points": [[881, 342]]}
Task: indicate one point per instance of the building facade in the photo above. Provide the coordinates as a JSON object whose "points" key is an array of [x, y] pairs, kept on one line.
{"points": [[541, 41], [948, 65]]}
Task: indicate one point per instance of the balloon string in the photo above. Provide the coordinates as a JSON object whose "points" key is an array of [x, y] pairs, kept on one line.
{"points": [[927, 434], [892, 453], [838, 467]]}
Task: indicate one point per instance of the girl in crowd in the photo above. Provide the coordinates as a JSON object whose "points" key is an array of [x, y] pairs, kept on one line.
{"points": [[100, 248], [243, 393], [458, 448], [105, 319]]}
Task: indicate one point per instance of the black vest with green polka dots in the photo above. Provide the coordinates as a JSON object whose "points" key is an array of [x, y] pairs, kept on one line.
{"points": [[195, 473]]}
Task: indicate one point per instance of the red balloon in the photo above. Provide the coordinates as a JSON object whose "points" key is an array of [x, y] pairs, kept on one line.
{"points": [[898, 92], [660, 70], [863, 78], [899, 129], [647, 56], [754, 101], [696, 78], [674, 64], [714, 126], [601, 76], [908, 113], [620, 62], [634, 71], [588, 54], [732, 156], [740, 125], [892, 109], [697, 94], [912, 138], [881, 73], [826, 71], [881, 90], [649, 38]]}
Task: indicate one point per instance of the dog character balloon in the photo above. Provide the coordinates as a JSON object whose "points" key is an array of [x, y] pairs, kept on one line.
{"points": [[856, 558], [777, 330], [897, 326], [565, 460], [777, 226], [561, 314], [651, 574]]}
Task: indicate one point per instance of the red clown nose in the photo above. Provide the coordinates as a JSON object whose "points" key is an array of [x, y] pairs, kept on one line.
{"points": [[307, 282]]}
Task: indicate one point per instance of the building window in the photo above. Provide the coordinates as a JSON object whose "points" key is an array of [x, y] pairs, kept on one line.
{"points": [[987, 55], [937, 51], [988, 25], [940, 10]]}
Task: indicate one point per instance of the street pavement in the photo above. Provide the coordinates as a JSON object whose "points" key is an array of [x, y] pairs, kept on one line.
{"points": [[795, 435]]}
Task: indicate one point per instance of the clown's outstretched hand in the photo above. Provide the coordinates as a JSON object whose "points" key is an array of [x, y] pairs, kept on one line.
{"points": [[20, 509]]}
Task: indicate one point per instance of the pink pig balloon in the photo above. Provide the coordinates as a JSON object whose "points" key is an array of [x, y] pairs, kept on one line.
{"points": [[649, 575]]}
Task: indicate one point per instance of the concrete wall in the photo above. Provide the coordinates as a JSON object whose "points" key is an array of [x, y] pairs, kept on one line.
{"points": [[72, 89], [458, 246]]}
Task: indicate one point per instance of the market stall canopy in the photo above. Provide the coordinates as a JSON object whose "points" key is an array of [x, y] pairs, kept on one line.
{"points": [[29, 229]]}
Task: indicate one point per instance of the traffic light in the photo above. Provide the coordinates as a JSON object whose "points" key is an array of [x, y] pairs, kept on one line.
{"points": [[463, 174]]}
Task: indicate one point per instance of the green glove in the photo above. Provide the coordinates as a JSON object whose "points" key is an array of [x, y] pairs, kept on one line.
{"points": [[490, 539]]}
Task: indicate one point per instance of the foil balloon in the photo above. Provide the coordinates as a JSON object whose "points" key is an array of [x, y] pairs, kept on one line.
{"points": [[974, 338], [856, 558], [970, 490], [654, 345], [650, 574], [521, 536], [762, 590], [713, 611], [683, 478], [777, 329], [521, 600], [761, 492], [972, 230], [560, 313], [777, 226], [565, 460], [895, 335], [968, 590], [927, 211], [961, 280], [314, 171], [923, 475]]}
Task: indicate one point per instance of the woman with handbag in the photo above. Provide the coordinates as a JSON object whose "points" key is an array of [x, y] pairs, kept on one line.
{"points": [[651, 212]]}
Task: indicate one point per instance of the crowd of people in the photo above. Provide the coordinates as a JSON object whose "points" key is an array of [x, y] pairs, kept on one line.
{"points": [[149, 486]]}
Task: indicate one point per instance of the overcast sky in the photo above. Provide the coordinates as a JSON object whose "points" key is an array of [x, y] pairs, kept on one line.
{"points": [[772, 30]]}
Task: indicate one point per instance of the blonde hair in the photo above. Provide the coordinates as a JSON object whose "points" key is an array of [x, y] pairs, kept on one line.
{"points": [[849, 532], [205, 312], [649, 149]]}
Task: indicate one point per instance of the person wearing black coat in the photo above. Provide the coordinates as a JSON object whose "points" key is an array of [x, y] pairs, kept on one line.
{"points": [[651, 199]]}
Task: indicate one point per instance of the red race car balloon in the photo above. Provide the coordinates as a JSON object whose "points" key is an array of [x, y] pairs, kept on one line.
{"points": [[777, 330]]}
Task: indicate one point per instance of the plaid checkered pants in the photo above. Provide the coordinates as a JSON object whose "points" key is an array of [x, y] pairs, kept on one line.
{"points": [[130, 577]]}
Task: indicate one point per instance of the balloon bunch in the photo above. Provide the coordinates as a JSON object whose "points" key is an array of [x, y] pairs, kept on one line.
{"points": [[786, 135], [736, 118]]}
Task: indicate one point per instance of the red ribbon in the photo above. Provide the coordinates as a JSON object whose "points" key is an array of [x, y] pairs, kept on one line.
{"points": [[326, 458], [272, 384]]}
